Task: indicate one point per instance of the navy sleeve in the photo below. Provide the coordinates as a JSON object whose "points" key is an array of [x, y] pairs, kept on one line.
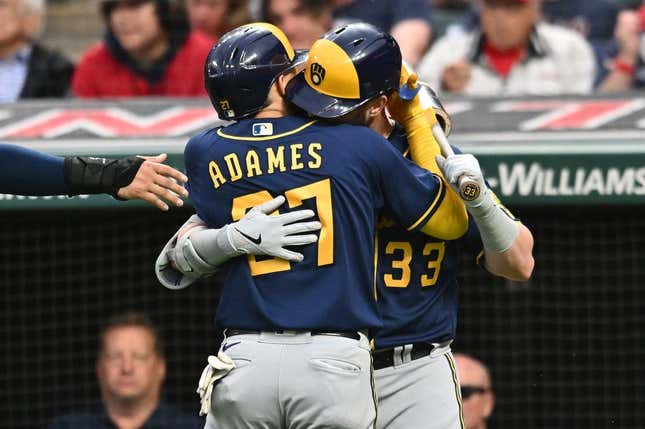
{"points": [[198, 180], [411, 193], [28, 172]]}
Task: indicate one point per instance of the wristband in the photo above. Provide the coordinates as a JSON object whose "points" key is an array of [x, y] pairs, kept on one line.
{"points": [[89, 175], [623, 67]]}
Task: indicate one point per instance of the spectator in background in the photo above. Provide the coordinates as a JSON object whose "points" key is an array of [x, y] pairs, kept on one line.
{"points": [[478, 399], [407, 20], [27, 69], [148, 50], [130, 368], [302, 21], [624, 65], [511, 52], [594, 20], [216, 17]]}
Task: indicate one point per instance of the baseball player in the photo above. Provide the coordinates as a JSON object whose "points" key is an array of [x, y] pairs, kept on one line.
{"points": [[28, 172], [416, 285], [295, 333]]}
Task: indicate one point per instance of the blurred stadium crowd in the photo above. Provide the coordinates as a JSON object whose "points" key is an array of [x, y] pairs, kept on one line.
{"points": [[478, 47]]}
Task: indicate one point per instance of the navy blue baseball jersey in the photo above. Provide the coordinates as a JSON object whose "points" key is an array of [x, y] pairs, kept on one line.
{"points": [[417, 278], [347, 174]]}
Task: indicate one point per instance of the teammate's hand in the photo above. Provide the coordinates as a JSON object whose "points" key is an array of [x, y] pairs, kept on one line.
{"points": [[459, 165], [259, 233], [156, 183]]}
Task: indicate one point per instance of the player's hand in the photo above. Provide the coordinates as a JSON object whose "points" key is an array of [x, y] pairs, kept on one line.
{"points": [[260, 233], [156, 183], [456, 76], [454, 167]]}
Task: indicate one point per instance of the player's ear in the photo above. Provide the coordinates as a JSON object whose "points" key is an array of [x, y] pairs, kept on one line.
{"points": [[283, 80], [376, 106]]}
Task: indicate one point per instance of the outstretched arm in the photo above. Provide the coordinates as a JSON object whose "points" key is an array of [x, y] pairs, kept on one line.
{"points": [[28, 172]]}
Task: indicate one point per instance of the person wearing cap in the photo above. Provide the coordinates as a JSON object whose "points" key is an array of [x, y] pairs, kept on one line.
{"points": [[476, 391], [416, 275], [511, 52], [295, 326], [148, 50], [431, 379]]}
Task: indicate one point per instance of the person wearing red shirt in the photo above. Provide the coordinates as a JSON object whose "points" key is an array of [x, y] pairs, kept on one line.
{"points": [[148, 50]]}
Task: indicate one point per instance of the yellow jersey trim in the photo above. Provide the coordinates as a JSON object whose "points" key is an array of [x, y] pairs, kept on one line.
{"points": [[264, 138], [432, 205]]}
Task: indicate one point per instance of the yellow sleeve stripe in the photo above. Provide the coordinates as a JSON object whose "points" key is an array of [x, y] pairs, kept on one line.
{"points": [[433, 205], [257, 139]]}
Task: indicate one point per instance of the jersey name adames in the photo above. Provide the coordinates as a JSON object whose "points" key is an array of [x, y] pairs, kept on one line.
{"points": [[346, 175]]}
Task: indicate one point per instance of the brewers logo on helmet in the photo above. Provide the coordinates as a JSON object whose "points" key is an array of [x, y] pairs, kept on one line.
{"points": [[345, 69], [242, 66]]}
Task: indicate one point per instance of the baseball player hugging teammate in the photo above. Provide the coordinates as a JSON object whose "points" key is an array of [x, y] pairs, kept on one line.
{"points": [[286, 209]]}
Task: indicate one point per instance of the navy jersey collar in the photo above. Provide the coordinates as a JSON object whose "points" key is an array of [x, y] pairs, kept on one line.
{"points": [[252, 128]]}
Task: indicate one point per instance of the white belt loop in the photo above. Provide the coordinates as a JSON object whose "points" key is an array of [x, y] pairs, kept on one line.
{"points": [[407, 353], [397, 353]]}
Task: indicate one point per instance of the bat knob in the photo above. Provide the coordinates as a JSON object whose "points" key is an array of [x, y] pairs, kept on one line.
{"points": [[469, 191]]}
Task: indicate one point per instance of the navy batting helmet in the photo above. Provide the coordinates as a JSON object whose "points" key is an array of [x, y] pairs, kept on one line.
{"points": [[346, 68], [243, 65]]}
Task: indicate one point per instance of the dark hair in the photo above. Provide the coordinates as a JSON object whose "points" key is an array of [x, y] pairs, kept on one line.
{"points": [[171, 14], [313, 7], [132, 319]]}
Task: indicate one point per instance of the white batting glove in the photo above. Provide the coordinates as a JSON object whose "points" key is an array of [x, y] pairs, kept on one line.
{"points": [[459, 165], [217, 368], [497, 230], [257, 233]]}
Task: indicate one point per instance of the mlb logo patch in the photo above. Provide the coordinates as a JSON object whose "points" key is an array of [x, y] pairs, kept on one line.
{"points": [[263, 129]]}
